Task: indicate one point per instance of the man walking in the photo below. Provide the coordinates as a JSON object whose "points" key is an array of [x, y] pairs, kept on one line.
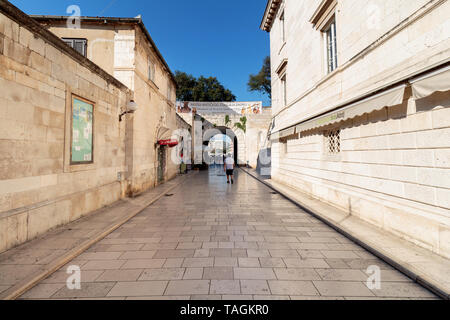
{"points": [[229, 168]]}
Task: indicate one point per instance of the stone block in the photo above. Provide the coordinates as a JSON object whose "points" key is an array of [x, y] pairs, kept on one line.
{"points": [[40, 63], [440, 117], [9, 28], [439, 138], [443, 198], [434, 177], [47, 217], [442, 158], [16, 52], [413, 227], [417, 122]]}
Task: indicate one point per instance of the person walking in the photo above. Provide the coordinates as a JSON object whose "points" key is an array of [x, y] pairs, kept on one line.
{"points": [[229, 168]]}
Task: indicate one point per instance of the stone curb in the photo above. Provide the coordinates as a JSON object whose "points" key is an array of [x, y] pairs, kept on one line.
{"points": [[29, 282], [398, 265]]}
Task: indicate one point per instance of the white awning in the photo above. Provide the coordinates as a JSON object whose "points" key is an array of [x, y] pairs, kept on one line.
{"points": [[430, 83], [384, 99], [287, 132], [275, 136]]}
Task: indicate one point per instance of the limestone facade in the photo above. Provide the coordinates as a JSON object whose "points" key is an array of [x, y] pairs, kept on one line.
{"points": [[391, 166], [124, 48], [39, 189], [39, 75]]}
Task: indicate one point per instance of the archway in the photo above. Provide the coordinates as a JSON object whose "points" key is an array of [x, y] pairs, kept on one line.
{"points": [[219, 142]]}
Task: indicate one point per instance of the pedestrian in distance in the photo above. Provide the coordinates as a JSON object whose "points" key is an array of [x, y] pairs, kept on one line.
{"points": [[229, 168]]}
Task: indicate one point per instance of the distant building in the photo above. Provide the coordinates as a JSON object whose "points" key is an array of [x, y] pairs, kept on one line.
{"points": [[361, 117]]}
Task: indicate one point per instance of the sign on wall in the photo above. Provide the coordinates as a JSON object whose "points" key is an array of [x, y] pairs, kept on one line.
{"points": [[236, 108], [82, 131]]}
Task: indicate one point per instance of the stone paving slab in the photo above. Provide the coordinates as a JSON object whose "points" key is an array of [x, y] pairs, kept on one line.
{"points": [[216, 241], [23, 266], [425, 267]]}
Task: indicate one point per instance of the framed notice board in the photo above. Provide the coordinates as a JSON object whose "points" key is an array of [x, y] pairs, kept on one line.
{"points": [[82, 135]]}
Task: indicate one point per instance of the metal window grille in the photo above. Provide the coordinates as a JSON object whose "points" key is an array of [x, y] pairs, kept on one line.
{"points": [[79, 45], [333, 141], [331, 47]]}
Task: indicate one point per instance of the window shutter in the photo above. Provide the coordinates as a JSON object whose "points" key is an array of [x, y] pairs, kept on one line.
{"points": [[80, 46]]}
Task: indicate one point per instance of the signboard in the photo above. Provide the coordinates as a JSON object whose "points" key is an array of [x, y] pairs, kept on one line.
{"points": [[82, 135], [236, 108]]}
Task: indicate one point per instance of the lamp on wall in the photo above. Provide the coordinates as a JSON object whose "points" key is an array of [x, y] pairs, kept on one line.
{"points": [[131, 108]]}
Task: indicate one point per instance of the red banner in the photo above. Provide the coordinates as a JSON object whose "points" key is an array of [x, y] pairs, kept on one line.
{"points": [[170, 143]]}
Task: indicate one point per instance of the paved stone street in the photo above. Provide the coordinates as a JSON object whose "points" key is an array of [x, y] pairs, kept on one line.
{"points": [[210, 240]]}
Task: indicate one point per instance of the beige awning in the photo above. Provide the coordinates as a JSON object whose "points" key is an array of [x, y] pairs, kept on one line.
{"points": [[287, 132], [384, 99], [275, 136], [430, 83]]}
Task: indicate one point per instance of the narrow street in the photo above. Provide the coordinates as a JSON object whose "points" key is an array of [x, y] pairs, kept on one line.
{"points": [[210, 240]]}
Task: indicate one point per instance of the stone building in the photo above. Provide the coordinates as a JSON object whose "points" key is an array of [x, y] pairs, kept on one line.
{"points": [[246, 145], [63, 151], [123, 47], [361, 116]]}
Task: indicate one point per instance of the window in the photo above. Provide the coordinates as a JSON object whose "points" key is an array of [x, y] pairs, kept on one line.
{"points": [[283, 90], [332, 142], [331, 46], [282, 28], [79, 45], [151, 70]]}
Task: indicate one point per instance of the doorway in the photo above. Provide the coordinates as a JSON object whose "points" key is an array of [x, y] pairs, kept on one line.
{"points": [[161, 163]]}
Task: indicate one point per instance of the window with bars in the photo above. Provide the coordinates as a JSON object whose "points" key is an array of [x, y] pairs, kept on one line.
{"points": [[331, 46], [332, 142], [79, 45]]}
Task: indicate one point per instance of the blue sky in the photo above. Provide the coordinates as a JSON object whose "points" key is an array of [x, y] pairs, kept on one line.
{"points": [[201, 37]]}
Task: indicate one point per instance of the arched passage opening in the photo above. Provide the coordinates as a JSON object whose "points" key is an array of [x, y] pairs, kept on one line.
{"points": [[219, 142]]}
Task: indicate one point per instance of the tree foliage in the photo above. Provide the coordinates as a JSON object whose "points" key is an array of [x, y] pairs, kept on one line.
{"points": [[201, 89], [242, 124], [227, 120], [262, 81]]}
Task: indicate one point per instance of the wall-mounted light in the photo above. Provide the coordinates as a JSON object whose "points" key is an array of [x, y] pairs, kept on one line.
{"points": [[131, 108]]}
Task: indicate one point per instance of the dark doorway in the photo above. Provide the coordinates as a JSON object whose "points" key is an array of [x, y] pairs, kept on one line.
{"points": [[161, 163]]}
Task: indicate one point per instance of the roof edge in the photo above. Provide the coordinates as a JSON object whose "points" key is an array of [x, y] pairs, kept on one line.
{"points": [[133, 21], [33, 26], [269, 14]]}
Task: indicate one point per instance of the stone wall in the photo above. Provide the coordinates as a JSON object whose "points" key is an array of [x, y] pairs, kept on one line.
{"points": [[126, 53], [393, 168], [39, 189]]}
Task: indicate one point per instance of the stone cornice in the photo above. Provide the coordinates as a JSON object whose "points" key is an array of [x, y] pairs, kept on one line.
{"points": [[270, 14], [27, 22]]}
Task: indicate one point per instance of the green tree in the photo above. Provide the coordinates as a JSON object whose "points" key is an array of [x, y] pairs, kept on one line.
{"points": [[185, 84], [201, 89], [262, 81], [227, 120], [242, 124]]}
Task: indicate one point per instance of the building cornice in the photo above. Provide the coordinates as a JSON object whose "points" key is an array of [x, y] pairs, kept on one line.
{"points": [[25, 21], [324, 7], [53, 20], [270, 14]]}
